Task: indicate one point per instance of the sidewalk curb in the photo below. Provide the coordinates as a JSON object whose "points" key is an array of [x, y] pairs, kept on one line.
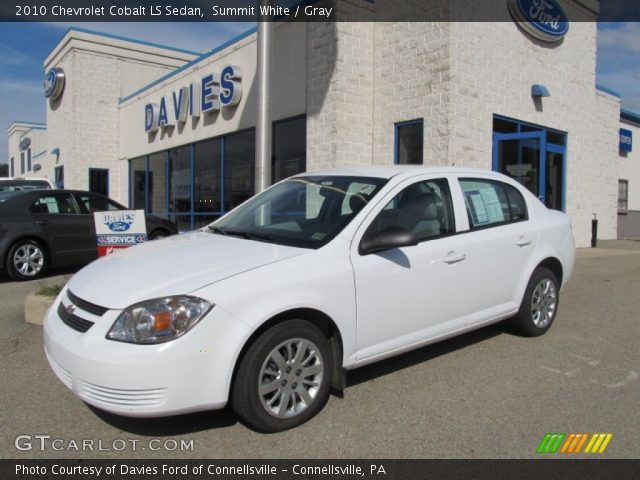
{"points": [[35, 308]]}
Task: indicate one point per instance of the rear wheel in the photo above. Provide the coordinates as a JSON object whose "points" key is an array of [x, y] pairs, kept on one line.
{"points": [[539, 305], [158, 234], [284, 377], [26, 260]]}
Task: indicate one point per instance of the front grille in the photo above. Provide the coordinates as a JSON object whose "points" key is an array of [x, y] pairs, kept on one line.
{"points": [[121, 397], [86, 306], [75, 322]]}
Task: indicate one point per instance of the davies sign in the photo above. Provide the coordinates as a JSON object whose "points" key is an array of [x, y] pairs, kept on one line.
{"points": [[213, 92], [542, 19]]}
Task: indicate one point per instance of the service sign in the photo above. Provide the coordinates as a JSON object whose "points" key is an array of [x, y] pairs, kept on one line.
{"points": [[119, 229], [626, 140]]}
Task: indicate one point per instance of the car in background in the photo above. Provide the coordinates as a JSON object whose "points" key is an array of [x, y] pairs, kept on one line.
{"points": [[12, 184], [50, 228], [266, 308]]}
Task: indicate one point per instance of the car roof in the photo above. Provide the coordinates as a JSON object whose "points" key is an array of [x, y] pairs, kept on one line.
{"points": [[389, 171]]}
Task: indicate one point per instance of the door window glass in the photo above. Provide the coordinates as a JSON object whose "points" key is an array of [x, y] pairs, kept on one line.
{"points": [[94, 203], [55, 204], [423, 208], [490, 203]]}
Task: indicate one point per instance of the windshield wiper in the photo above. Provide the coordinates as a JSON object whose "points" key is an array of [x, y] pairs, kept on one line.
{"points": [[249, 235], [215, 229]]}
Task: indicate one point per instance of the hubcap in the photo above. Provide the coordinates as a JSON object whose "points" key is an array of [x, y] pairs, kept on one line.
{"points": [[290, 378], [543, 303], [28, 260]]}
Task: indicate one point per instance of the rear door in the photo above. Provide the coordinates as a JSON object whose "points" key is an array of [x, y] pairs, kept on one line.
{"points": [[499, 241], [69, 234]]}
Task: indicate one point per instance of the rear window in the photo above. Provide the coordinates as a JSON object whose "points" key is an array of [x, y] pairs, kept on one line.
{"points": [[17, 185]]}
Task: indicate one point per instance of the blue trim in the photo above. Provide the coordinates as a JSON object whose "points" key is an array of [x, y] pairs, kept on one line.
{"points": [[120, 37], [604, 89], [32, 128], [38, 154], [167, 181], [192, 180], [33, 124], [187, 65], [146, 183], [396, 127], [629, 115], [222, 174]]}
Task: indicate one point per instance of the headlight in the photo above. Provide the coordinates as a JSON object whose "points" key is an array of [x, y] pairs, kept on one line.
{"points": [[158, 320]]}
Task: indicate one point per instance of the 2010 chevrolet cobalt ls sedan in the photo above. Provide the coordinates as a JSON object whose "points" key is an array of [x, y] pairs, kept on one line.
{"points": [[268, 307]]}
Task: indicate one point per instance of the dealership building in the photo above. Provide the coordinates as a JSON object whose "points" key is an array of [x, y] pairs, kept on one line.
{"points": [[173, 131]]}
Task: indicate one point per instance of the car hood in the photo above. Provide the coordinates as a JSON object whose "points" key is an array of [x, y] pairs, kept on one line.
{"points": [[175, 265]]}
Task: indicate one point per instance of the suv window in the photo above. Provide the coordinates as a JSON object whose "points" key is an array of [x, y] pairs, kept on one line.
{"points": [[95, 203], [490, 203], [61, 203], [424, 208]]}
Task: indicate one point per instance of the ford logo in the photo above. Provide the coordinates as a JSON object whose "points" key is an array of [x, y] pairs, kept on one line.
{"points": [[54, 83], [542, 19], [118, 226]]}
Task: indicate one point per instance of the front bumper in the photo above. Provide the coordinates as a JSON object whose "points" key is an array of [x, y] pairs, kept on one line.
{"points": [[191, 373]]}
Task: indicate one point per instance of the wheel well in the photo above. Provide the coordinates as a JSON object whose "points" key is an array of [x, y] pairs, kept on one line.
{"points": [[158, 230], [320, 320], [554, 265]]}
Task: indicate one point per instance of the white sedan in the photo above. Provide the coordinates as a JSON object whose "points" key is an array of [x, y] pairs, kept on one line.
{"points": [[268, 307]]}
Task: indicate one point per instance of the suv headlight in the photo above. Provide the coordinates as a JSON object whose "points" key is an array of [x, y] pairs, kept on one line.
{"points": [[158, 320]]}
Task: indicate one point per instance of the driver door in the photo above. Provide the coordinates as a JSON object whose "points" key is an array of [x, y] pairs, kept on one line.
{"points": [[409, 294]]}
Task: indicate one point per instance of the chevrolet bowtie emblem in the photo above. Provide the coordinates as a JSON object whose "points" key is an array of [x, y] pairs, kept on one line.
{"points": [[70, 308]]}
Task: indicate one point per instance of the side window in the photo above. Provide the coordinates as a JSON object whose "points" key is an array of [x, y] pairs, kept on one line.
{"points": [[423, 208], [98, 204], [490, 203], [63, 204]]}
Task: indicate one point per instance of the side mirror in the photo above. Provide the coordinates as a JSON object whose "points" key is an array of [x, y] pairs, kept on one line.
{"points": [[386, 239]]}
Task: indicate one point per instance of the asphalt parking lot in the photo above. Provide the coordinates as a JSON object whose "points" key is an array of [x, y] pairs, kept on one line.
{"points": [[487, 394]]}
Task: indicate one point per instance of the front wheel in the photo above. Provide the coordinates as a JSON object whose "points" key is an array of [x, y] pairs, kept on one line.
{"points": [[284, 377], [539, 305], [26, 260]]}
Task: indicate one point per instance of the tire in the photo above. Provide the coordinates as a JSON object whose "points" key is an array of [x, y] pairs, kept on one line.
{"points": [[158, 234], [539, 306], [27, 260], [294, 388]]}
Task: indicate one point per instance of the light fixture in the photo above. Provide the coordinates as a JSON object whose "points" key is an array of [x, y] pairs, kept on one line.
{"points": [[539, 91]]}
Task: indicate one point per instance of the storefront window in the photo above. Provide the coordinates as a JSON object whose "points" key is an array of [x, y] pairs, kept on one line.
{"points": [[29, 160], [99, 181], [21, 162], [12, 167], [239, 162], [157, 182], [137, 181], [59, 176], [409, 142], [207, 194], [623, 196], [180, 186], [289, 148]]}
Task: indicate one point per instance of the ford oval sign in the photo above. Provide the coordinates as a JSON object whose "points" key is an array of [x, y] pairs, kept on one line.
{"points": [[542, 19], [54, 83], [118, 226]]}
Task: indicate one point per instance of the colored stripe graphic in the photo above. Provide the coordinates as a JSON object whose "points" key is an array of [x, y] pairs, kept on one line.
{"points": [[598, 442], [572, 443], [550, 443]]}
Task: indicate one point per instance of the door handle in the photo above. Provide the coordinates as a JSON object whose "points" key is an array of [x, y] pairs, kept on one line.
{"points": [[523, 242], [453, 257], [42, 222]]}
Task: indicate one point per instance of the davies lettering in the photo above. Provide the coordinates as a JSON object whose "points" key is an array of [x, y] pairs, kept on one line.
{"points": [[213, 92]]}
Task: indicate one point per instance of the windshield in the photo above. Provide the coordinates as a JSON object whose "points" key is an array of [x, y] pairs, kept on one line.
{"points": [[303, 212], [16, 185]]}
